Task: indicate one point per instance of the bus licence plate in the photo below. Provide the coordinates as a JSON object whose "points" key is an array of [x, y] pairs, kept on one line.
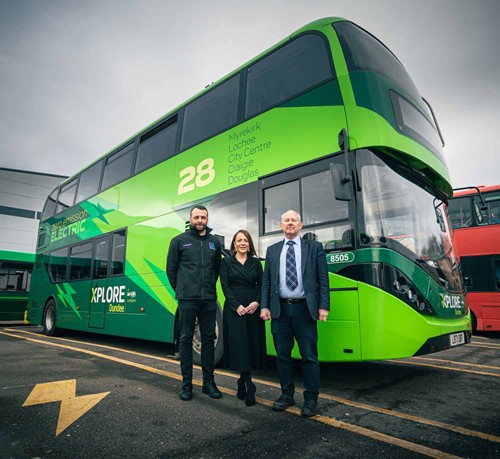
{"points": [[457, 338]]}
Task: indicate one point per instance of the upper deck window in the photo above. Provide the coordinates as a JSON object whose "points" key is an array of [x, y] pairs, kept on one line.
{"points": [[50, 205], [290, 70], [157, 144], [211, 113], [66, 196], [492, 200], [363, 52], [89, 182], [461, 214], [118, 166]]}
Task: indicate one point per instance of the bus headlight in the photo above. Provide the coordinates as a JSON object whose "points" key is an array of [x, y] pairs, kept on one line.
{"points": [[407, 292], [401, 285]]}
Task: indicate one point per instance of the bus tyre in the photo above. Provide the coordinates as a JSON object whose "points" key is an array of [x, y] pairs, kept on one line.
{"points": [[473, 320], [218, 345], [49, 319]]}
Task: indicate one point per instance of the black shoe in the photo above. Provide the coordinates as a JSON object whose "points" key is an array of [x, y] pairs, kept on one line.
{"points": [[250, 398], [186, 392], [309, 408], [211, 390], [242, 389], [283, 402]]}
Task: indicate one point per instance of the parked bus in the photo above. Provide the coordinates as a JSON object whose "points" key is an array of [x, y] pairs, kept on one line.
{"points": [[15, 276], [474, 213], [327, 122]]}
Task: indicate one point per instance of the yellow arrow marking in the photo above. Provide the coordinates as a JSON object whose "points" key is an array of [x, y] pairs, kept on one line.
{"points": [[72, 407], [51, 392]]}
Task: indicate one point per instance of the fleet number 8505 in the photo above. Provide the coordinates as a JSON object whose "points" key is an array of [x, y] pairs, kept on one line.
{"points": [[340, 257]]}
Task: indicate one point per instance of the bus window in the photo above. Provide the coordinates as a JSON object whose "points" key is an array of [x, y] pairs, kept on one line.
{"points": [[157, 144], [4, 279], [101, 257], [66, 196], [80, 259], [460, 212], [57, 265], [318, 200], [50, 205], [233, 210], [211, 113], [493, 202], [118, 253], [118, 166], [325, 219], [278, 200], [89, 182], [364, 52], [287, 72]]}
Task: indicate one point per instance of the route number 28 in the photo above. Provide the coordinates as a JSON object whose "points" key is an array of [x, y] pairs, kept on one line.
{"points": [[200, 176]]}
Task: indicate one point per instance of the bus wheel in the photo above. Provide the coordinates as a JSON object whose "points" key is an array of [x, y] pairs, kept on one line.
{"points": [[218, 345], [473, 320], [49, 319]]}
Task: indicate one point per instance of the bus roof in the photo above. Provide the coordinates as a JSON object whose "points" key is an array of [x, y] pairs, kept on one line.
{"points": [[472, 190], [314, 25]]}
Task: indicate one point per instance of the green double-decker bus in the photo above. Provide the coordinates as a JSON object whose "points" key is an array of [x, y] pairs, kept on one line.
{"points": [[326, 122], [15, 277]]}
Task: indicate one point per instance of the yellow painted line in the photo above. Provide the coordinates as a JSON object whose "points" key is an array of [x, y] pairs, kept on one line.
{"points": [[164, 359], [386, 438], [417, 419], [461, 370], [420, 449], [454, 362], [485, 339], [485, 346]]}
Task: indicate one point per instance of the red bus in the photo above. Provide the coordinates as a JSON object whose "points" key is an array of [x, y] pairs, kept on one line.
{"points": [[474, 213]]}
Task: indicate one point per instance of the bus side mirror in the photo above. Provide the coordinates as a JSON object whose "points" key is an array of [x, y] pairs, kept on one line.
{"points": [[341, 188]]}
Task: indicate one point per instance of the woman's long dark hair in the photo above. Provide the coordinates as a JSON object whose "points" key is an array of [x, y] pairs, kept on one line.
{"points": [[251, 247]]}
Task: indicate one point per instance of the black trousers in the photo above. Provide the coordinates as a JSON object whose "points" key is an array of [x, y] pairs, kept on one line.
{"points": [[205, 311], [295, 321]]}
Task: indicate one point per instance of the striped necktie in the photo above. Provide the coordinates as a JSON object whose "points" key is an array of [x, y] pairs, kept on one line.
{"points": [[291, 268]]}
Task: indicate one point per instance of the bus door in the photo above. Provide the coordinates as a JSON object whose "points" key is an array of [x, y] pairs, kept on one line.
{"points": [[99, 285], [80, 279]]}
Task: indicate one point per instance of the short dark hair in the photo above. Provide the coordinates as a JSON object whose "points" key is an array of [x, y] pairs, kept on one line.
{"points": [[199, 207], [251, 247]]}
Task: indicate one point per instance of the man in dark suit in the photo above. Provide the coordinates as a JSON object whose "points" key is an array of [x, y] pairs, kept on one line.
{"points": [[295, 294]]}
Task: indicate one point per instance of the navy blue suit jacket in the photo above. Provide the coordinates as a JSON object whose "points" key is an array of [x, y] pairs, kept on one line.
{"points": [[314, 277]]}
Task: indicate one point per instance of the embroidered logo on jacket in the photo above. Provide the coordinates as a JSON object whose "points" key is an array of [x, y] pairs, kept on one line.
{"points": [[211, 245]]}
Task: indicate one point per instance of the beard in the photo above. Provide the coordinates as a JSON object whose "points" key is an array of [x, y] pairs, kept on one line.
{"points": [[200, 227]]}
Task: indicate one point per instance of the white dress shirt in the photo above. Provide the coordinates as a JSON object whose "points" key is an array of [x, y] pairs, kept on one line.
{"points": [[285, 292]]}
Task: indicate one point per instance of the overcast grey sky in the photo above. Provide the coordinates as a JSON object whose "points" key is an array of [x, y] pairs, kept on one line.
{"points": [[77, 77]]}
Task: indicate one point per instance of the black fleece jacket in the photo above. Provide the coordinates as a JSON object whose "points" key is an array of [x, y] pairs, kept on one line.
{"points": [[193, 265]]}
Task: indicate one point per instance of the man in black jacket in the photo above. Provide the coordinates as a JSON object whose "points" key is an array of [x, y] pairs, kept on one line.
{"points": [[193, 265]]}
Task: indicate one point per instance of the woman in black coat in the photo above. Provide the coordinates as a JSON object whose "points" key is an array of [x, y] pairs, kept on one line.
{"points": [[244, 333]]}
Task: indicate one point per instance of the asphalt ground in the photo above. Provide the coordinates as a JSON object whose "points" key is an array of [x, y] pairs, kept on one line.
{"points": [[90, 396]]}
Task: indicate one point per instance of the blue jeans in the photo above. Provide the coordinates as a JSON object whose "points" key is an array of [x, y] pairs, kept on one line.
{"points": [[205, 311], [295, 321]]}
